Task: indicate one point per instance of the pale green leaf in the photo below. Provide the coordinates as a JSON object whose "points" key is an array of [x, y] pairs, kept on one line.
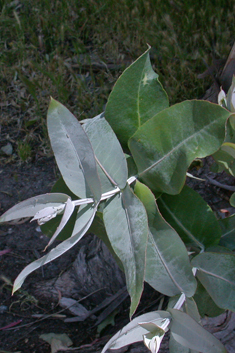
{"points": [[175, 347], [30, 207], [126, 225], [112, 166], [85, 221], [136, 97], [165, 146], [216, 272], [167, 264], [197, 225], [73, 152], [187, 332], [133, 332]]}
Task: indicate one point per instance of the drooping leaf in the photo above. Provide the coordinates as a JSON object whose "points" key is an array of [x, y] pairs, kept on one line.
{"points": [[187, 332], [136, 97], [30, 207], [206, 305], [133, 332], [68, 210], [191, 217], [167, 264], [85, 221], [58, 342], [228, 232], [49, 228], [216, 272], [126, 225], [165, 146], [112, 166], [73, 152]]}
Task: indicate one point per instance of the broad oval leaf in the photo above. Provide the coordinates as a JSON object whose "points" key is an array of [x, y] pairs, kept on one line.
{"points": [[85, 221], [133, 332], [112, 165], [216, 272], [206, 305], [73, 152], [30, 207], [164, 147], [175, 347], [167, 264], [126, 225], [228, 232], [192, 335], [136, 97], [191, 217]]}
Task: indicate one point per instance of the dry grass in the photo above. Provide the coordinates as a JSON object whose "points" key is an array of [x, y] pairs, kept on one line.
{"points": [[75, 50]]}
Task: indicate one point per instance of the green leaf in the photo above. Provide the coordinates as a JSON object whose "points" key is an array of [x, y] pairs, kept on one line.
{"points": [[61, 187], [206, 305], [232, 200], [68, 211], [49, 228], [85, 220], [126, 225], [136, 97], [187, 332], [196, 225], [165, 146], [30, 207], [175, 347], [73, 152], [133, 332], [216, 272], [224, 162], [228, 232], [167, 264], [112, 166]]}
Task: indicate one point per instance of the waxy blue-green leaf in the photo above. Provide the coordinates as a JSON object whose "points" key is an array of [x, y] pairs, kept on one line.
{"points": [[136, 97], [73, 152], [112, 165], [30, 207], [191, 217], [164, 147], [126, 225], [87, 214], [133, 332], [216, 272], [206, 305], [175, 347], [187, 332], [167, 264], [228, 232]]}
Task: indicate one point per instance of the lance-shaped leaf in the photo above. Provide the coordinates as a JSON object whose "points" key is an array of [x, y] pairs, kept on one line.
{"points": [[68, 210], [30, 207], [167, 264], [136, 97], [87, 214], [191, 217], [73, 152], [190, 334], [228, 232], [112, 165], [133, 332], [126, 225], [164, 147], [216, 272]]}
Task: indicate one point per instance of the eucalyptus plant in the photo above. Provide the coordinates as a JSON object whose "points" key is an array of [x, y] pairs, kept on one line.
{"points": [[123, 173]]}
